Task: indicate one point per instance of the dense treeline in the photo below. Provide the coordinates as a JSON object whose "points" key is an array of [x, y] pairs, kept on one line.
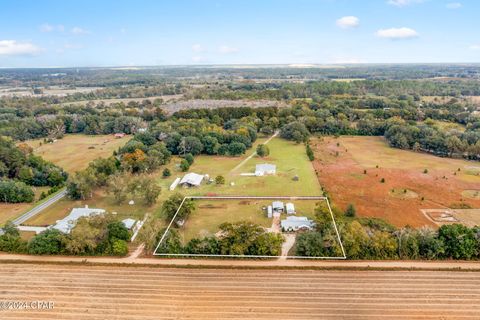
{"points": [[367, 238], [103, 77], [20, 170], [427, 138], [316, 89], [319, 107], [241, 238]]}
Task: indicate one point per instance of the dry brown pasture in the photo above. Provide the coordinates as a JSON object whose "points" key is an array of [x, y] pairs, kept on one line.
{"points": [[341, 164], [75, 151], [138, 293]]}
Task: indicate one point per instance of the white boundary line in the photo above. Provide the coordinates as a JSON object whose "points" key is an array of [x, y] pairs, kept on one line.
{"points": [[249, 256]]}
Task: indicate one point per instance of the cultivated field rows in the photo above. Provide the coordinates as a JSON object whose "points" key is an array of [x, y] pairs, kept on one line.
{"points": [[98, 292]]}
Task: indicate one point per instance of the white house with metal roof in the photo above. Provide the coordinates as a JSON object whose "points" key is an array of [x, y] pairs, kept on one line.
{"points": [[265, 169], [293, 223], [68, 223], [192, 179]]}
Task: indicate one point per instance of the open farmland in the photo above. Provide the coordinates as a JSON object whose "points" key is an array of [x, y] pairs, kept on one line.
{"points": [[341, 164], [100, 292], [123, 100], [75, 152], [51, 91]]}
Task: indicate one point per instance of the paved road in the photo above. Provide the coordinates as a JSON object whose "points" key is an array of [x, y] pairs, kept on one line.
{"points": [[33, 212], [252, 263], [138, 293]]}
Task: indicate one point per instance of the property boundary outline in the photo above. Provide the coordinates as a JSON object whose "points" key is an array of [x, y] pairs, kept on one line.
{"points": [[186, 255]]}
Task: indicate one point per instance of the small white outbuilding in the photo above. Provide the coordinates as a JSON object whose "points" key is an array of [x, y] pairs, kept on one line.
{"points": [[129, 223], [269, 211], [290, 208], [265, 169]]}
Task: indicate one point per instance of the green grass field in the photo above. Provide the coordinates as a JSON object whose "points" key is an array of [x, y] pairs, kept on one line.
{"points": [[290, 159], [210, 214]]}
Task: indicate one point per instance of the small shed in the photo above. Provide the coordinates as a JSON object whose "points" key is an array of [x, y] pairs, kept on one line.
{"points": [[278, 206], [129, 223], [290, 208], [269, 211]]}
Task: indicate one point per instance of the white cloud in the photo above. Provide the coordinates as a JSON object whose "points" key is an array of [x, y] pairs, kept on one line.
{"points": [[15, 48], [475, 46], [79, 31], [46, 27], [397, 33], [197, 48], [348, 22], [403, 3], [453, 5], [123, 30], [227, 49]]}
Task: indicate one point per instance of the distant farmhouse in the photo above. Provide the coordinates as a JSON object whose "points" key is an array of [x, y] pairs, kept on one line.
{"points": [[293, 223], [192, 180], [68, 223], [265, 169], [119, 135]]}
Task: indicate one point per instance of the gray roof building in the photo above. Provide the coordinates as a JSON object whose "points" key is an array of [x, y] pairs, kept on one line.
{"points": [[192, 179]]}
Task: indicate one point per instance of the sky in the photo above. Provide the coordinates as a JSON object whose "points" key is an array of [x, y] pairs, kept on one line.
{"points": [[103, 33]]}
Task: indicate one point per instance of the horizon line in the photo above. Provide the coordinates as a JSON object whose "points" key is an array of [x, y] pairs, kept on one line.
{"points": [[291, 65]]}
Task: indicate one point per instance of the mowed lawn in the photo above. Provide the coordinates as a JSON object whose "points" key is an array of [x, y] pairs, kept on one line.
{"points": [[74, 152], [290, 159], [210, 214]]}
